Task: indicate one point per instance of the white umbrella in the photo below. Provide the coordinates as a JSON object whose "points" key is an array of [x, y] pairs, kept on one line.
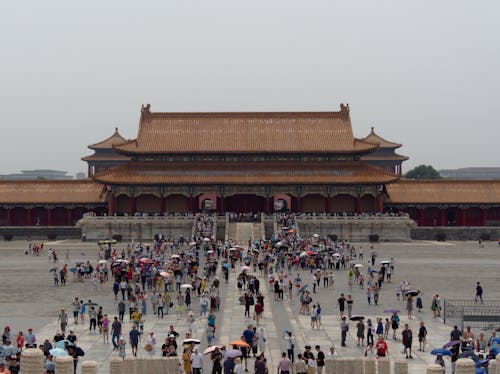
{"points": [[187, 285], [279, 244], [176, 256], [358, 266], [303, 254], [192, 243], [207, 239], [385, 262], [210, 252], [234, 249], [102, 261], [315, 236]]}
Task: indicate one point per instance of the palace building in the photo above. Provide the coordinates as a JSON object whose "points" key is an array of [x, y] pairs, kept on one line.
{"points": [[247, 162]]}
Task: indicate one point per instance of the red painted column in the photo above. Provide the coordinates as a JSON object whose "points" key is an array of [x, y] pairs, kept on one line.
{"points": [[298, 204], [69, 221], [442, 217], [222, 204], [380, 203], [9, 217], [111, 204], [484, 216], [328, 204], [421, 217], [162, 205], [357, 204], [133, 205], [460, 217], [29, 217], [49, 217]]}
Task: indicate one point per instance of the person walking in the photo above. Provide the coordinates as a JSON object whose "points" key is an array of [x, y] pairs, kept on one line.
{"points": [[394, 325], [344, 327], [134, 339], [409, 305], [360, 333], [349, 302], [341, 304], [284, 365], [320, 359], [105, 329], [116, 330], [63, 320], [289, 344]]}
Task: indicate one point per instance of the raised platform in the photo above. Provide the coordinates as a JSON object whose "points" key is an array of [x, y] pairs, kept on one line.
{"points": [[136, 228], [357, 228], [40, 232]]}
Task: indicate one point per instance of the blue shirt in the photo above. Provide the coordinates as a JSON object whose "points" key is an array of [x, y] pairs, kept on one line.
{"points": [[248, 335], [134, 337]]}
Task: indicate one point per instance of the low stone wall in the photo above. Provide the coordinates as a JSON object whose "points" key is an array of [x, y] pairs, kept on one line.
{"points": [[357, 228], [40, 232], [135, 228], [454, 233]]}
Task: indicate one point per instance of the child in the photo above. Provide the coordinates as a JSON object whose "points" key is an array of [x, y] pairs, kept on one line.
{"points": [[121, 347]]}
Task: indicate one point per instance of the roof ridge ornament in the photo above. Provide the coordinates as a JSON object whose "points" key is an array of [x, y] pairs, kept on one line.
{"points": [[146, 109]]}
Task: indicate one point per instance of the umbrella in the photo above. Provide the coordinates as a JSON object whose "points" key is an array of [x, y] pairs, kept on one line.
{"points": [[451, 343], [356, 318], [227, 265], [496, 340], [211, 349], [144, 256], [210, 252], [385, 262], [232, 353], [120, 260], [234, 249], [145, 260], [175, 256], [392, 311], [441, 351], [58, 352], [187, 285], [192, 243], [315, 236], [78, 350], [311, 253], [191, 341], [480, 371], [72, 270], [336, 255], [101, 262], [60, 343], [240, 343], [245, 267], [483, 362], [207, 239], [358, 265], [303, 254], [373, 271], [53, 269], [279, 244], [255, 250], [303, 287], [291, 231], [412, 293], [165, 274]]}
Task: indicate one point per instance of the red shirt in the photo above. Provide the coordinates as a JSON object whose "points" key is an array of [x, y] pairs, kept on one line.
{"points": [[381, 348]]}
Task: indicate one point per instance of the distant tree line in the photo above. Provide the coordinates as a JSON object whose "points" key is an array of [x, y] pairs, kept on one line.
{"points": [[423, 172]]}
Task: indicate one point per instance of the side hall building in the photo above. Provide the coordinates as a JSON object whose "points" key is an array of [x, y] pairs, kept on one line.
{"points": [[247, 162]]}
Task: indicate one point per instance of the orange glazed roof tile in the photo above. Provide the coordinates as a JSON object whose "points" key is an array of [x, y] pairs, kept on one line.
{"points": [[383, 157], [245, 173], [257, 133], [48, 192], [444, 191], [106, 157], [377, 139], [108, 143]]}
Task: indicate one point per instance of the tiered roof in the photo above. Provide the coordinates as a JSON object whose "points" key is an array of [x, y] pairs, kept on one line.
{"points": [[378, 155], [104, 150], [245, 133], [108, 143], [444, 191], [51, 191], [328, 172]]}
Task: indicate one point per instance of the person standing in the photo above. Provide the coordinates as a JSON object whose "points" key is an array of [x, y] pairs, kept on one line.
{"points": [[105, 329], [76, 310], [31, 338], [349, 302], [116, 330], [394, 325], [196, 361], [289, 344], [134, 339], [409, 305], [341, 304], [344, 327], [422, 336], [320, 359], [121, 310], [63, 320], [407, 337], [381, 347], [479, 292], [360, 333], [284, 365]]}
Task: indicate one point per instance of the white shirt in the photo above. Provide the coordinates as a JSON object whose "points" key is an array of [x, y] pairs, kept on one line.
{"points": [[196, 360]]}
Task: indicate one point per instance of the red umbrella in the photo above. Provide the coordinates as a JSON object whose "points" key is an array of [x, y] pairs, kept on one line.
{"points": [[311, 253]]}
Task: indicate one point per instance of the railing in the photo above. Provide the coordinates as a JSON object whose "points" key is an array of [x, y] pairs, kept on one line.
{"points": [[138, 218], [470, 312]]}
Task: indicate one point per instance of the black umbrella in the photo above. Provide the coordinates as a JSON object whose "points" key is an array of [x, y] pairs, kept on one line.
{"points": [[78, 350]]}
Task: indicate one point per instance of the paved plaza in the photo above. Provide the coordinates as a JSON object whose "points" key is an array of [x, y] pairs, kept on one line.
{"points": [[450, 269]]}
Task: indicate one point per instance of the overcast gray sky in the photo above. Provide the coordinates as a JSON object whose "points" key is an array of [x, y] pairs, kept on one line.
{"points": [[424, 73]]}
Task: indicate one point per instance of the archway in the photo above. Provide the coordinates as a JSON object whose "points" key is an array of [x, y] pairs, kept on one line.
{"points": [[245, 203], [123, 204], [148, 203], [312, 203], [176, 203], [343, 203], [367, 204]]}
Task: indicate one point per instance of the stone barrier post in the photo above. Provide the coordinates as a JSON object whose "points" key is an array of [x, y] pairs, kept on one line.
{"points": [[348, 361], [64, 365], [434, 369], [140, 365], [370, 365], [31, 361], [155, 365], [330, 366], [400, 367], [465, 366], [384, 366], [170, 365], [358, 365], [115, 366], [129, 365], [340, 365], [498, 364], [89, 367]]}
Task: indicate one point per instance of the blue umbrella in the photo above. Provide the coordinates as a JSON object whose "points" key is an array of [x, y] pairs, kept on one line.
{"points": [[483, 362], [480, 371], [496, 340], [226, 265], [303, 288], [60, 343], [73, 270], [58, 352], [441, 351]]}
